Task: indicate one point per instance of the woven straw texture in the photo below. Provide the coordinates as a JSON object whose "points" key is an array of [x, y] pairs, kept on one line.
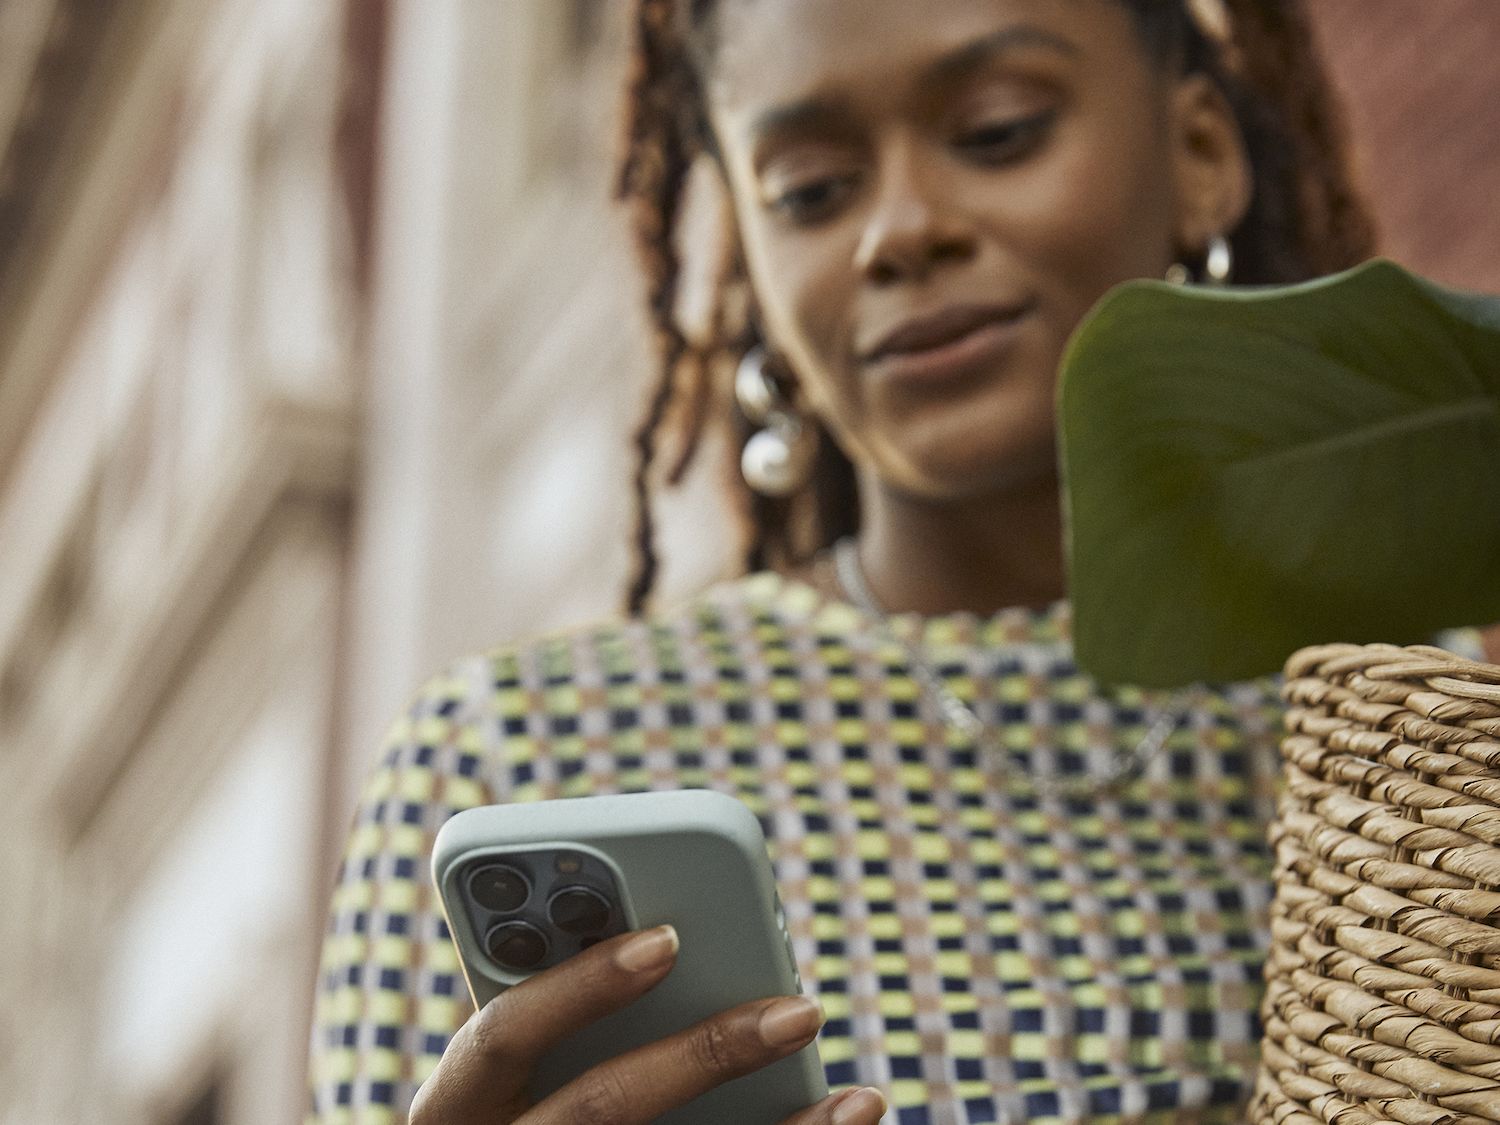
{"points": [[1383, 982]]}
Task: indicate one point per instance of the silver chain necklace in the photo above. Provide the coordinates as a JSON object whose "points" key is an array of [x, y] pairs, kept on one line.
{"points": [[959, 716]]}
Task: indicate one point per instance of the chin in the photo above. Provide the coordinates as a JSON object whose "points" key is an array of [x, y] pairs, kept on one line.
{"points": [[976, 456], [957, 473]]}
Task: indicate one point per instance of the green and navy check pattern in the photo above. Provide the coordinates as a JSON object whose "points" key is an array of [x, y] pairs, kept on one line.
{"points": [[983, 952]]}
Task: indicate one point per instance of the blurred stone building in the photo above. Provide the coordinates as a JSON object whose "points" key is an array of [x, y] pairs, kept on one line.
{"points": [[317, 349], [273, 445]]}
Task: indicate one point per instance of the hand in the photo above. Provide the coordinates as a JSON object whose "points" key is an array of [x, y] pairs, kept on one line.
{"points": [[483, 1075], [1490, 638]]}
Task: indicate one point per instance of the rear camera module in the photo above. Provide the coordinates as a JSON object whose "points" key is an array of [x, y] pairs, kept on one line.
{"points": [[500, 888], [516, 945], [579, 910]]}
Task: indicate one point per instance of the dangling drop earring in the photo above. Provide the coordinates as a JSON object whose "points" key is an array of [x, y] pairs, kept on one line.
{"points": [[1220, 261], [776, 459]]}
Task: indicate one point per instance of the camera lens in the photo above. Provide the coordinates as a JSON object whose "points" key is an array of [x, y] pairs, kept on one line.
{"points": [[517, 945], [579, 910], [499, 888]]}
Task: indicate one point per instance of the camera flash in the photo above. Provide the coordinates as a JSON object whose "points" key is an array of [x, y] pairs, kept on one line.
{"points": [[569, 864]]}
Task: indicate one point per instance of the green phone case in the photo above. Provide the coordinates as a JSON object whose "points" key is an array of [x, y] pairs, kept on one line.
{"points": [[694, 858]]}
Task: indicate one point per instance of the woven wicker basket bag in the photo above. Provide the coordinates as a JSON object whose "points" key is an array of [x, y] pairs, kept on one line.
{"points": [[1383, 982]]}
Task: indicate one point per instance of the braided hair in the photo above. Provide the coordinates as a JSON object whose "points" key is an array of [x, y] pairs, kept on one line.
{"points": [[1305, 220]]}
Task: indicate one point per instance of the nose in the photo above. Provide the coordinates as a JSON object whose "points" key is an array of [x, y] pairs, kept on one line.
{"points": [[912, 227]]}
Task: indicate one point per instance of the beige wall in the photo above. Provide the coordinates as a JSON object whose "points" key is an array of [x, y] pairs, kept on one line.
{"points": [[269, 455]]}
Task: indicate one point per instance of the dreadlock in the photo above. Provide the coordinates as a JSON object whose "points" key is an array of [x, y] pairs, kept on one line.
{"points": [[1305, 220]]}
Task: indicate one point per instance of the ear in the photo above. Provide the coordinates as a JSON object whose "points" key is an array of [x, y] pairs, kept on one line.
{"points": [[1211, 168]]}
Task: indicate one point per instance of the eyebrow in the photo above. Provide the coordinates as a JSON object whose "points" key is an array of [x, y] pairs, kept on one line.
{"points": [[964, 60], [973, 55]]}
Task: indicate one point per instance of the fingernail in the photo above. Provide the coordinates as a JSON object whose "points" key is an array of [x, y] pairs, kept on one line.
{"points": [[862, 1105], [649, 950], [795, 1019]]}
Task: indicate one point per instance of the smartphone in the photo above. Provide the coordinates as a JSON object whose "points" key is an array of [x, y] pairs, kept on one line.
{"points": [[526, 886]]}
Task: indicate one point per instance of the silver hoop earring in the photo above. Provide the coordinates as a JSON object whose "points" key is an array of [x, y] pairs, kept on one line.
{"points": [[754, 391], [1217, 266], [776, 459]]}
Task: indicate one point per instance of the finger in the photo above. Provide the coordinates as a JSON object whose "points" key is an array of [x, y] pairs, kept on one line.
{"points": [[863, 1105], [489, 1062], [641, 1085]]}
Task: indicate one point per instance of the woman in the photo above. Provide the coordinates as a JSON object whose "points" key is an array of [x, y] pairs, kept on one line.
{"points": [[1017, 897]]}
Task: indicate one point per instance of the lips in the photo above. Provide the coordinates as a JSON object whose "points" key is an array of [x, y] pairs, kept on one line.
{"points": [[948, 347], [933, 331]]}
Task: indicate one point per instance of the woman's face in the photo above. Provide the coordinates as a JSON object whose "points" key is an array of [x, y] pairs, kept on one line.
{"points": [[930, 196]]}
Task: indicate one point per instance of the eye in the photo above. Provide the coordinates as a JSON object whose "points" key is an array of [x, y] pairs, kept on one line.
{"points": [[1001, 142], [812, 201]]}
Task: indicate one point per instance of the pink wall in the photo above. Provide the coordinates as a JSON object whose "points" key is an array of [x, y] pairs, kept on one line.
{"points": [[1422, 80]]}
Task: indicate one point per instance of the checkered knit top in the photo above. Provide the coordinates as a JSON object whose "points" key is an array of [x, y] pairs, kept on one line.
{"points": [[984, 951]]}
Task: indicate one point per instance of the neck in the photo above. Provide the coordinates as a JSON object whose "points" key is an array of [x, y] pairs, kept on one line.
{"points": [[978, 555]]}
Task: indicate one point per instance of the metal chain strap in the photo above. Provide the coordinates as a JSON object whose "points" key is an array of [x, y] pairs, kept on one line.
{"points": [[959, 716]]}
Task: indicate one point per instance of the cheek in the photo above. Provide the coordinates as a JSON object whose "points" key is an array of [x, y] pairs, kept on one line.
{"points": [[802, 292], [1098, 213], [801, 288]]}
